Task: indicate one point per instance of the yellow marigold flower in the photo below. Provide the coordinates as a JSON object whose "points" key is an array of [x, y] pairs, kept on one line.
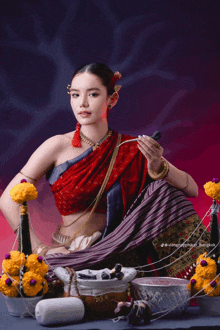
{"points": [[196, 284], [201, 257], [36, 264], [212, 189], [212, 288], [23, 192], [45, 287], [32, 283], [13, 262], [10, 286], [206, 268]]}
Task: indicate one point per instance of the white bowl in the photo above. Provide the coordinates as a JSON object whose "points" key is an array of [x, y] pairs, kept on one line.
{"points": [[22, 306], [167, 295], [209, 305]]}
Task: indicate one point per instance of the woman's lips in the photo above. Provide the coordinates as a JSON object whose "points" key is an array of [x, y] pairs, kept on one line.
{"points": [[85, 114]]}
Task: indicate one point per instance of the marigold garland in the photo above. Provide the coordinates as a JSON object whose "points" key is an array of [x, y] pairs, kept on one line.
{"points": [[204, 277], [196, 284], [13, 262], [201, 257], [10, 286], [212, 189], [29, 288], [212, 288], [23, 192], [208, 271], [33, 280], [35, 264]]}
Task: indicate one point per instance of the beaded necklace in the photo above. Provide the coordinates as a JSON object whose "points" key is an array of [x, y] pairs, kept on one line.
{"points": [[97, 144]]}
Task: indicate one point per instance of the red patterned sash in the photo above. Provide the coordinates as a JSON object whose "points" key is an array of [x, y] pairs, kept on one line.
{"points": [[78, 186]]}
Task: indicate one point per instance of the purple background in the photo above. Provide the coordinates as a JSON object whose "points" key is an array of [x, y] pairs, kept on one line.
{"points": [[168, 54]]}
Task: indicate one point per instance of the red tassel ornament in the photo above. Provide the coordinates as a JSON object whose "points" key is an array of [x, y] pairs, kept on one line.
{"points": [[76, 140]]}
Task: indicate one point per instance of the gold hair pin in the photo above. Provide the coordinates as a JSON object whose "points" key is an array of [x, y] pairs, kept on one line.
{"points": [[117, 88]]}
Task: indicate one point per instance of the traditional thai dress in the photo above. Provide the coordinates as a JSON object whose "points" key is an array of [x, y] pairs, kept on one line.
{"points": [[146, 219]]}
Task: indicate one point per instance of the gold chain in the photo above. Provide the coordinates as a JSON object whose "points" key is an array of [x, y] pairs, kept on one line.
{"points": [[84, 212]]}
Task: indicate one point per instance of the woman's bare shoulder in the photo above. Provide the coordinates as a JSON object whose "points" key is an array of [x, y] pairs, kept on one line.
{"points": [[46, 155], [57, 141]]}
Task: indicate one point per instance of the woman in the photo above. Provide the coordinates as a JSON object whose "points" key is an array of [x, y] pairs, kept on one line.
{"points": [[93, 92]]}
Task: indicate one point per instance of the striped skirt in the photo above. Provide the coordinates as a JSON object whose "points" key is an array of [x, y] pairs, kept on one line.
{"points": [[160, 220]]}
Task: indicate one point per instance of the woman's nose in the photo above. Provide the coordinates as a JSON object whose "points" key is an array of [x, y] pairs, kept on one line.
{"points": [[84, 101]]}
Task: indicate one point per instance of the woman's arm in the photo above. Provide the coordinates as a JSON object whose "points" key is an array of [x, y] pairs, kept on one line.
{"points": [[38, 164], [177, 178]]}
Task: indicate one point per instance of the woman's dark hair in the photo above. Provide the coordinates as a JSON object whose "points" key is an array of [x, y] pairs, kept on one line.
{"points": [[102, 71]]}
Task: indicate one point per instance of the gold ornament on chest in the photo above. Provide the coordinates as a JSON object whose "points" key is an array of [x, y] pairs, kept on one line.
{"points": [[93, 144]]}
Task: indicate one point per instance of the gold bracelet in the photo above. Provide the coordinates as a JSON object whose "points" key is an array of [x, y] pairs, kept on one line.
{"points": [[28, 176], [162, 173]]}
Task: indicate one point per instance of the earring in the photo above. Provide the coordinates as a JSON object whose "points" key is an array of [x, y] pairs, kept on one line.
{"points": [[76, 140], [109, 106], [68, 87]]}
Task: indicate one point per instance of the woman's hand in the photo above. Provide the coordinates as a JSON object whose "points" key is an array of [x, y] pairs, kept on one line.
{"points": [[152, 150], [177, 178]]}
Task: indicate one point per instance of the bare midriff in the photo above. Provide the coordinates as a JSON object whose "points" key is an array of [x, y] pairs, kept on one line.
{"points": [[96, 222]]}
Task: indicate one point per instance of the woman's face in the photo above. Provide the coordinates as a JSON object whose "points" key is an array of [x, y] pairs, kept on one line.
{"points": [[88, 98]]}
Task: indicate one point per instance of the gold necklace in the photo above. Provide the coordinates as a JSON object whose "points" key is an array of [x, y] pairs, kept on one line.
{"points": [[91, 143]]}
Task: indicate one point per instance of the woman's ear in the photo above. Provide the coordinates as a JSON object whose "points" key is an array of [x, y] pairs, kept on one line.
{"points": [[113, 100]]}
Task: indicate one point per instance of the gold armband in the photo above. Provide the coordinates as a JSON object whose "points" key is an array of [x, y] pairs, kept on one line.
{"points": [[28, 176]]}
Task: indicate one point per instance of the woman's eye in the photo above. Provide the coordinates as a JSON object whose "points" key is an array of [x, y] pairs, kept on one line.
{"points": [[94, 94], [74, 95]]}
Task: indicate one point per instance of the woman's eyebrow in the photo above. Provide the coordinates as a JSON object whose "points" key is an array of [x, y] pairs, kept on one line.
{"points": [[89, 89]]}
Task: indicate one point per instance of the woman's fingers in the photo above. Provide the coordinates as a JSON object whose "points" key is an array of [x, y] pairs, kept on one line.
{"points": [[144, 151], [152, 147], [152, 151], [151, 143], [146, 145]]}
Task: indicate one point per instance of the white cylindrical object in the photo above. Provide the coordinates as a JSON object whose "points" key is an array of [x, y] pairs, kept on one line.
{"points": [[59, 310]]}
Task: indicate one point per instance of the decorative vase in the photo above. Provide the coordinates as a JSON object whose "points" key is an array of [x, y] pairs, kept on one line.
{"points": [[22, 306]]}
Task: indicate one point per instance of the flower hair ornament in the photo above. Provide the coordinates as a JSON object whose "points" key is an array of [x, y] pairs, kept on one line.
{"points": [[76, 140], [116, 76]]}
